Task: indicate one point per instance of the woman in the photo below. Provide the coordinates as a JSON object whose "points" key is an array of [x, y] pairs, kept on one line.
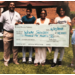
{"points": [[73, 47], [28, 19], [61, 19], [40, 52]]}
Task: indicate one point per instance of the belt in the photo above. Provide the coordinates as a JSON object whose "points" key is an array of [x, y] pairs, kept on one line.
{"points": [[7, 31]]}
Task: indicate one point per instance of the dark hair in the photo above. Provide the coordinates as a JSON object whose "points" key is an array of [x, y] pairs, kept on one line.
{"points": [[11, 2], [65, 8], [29, 7], [44, 10]]}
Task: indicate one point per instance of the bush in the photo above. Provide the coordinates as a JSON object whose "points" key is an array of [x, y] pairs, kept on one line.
{"points": [[72, 14]]}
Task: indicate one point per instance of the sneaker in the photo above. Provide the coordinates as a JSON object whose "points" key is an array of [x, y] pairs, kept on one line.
{"points": [[59, 63], [30, 60], [72, 65], [23, 60], [53, 65], [5, 63]]}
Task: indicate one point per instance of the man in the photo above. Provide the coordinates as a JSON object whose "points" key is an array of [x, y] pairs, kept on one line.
{"points": [[9, 18]]}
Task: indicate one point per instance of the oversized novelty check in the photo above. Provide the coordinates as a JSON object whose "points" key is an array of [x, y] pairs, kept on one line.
{"points": [[55, 35]]}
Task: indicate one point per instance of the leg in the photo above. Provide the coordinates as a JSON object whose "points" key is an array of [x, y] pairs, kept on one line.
{"points": [[73, 46], [43, 56], [24, 54], [15, 53], [55, 57], [7, 45], [30, 54], [7, 40], [37, 56], [61, 56]]}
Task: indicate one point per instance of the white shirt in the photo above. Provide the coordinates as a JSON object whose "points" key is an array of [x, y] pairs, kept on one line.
{"points": [[47, 21], [8, 24], [64, 20], [11, 14]]}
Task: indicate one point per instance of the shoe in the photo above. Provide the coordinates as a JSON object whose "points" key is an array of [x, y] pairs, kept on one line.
{"points": [[59, 63], [30, 60], [5, 63], [53, 65], [23, 60], [72, 65], [35, 64]]}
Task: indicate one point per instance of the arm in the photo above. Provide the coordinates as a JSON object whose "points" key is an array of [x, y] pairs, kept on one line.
{"points": [[1, 21], [19, 20], [49, 22], [36, 23]]}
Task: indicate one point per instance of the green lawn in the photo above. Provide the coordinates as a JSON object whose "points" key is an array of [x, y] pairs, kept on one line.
{"points": [[25, 68]]}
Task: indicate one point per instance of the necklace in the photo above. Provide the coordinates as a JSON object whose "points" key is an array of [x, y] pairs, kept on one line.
{"points": [[11, 15]]}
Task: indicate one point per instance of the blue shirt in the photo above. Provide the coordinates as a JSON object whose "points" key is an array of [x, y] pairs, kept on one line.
{"points": [[27, 20], [73, 38]]}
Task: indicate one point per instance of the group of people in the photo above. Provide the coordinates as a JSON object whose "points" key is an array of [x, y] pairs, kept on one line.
{"points": [[10, 18]]}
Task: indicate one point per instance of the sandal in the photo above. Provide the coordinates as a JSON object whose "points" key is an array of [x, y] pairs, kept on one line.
{"points": [[35, 64]]}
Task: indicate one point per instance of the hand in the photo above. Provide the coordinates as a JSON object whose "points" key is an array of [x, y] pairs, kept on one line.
{"points": [[49, 49], [71, 32], [37, 23], [16, 23], [49, 23]]}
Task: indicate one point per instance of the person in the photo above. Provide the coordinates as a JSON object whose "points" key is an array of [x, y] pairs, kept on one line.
{"points": [[9, 18], [61, 19], [28, 19], [73, 48], [40, 52]]}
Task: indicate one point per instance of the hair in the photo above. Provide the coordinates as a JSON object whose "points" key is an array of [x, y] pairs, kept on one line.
{"points": [[65, 8], [29, 7], [11, 2], [44, 10]]}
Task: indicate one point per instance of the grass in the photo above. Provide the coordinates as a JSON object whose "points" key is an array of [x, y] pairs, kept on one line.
{"points": [[25, 68]]}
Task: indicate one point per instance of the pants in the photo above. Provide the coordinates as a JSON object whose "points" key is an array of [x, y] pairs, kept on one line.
{"points": [[73, 46], [40, 55], [8, 45], [56, 54], [24, 52]]}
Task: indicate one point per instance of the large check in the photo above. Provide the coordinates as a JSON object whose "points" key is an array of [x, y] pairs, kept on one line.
{"points": [[53, 35]]}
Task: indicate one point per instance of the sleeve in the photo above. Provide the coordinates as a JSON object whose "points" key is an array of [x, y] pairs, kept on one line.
{"points": [[69, 20], [2, 18], [19, 18], [55, 21], [49, 21]]}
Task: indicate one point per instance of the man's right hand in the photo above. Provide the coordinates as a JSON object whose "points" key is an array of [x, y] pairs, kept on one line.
{"points": [[16, 23]]}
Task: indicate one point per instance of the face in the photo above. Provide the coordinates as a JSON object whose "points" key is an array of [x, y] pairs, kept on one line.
{"points": [[62, 12], [28, 12], [11, 6], [43, 14]]}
